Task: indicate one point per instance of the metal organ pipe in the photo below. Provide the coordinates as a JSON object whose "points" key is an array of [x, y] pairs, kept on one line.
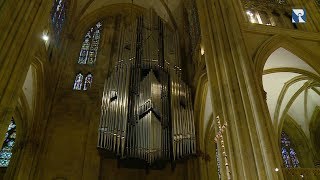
{"points": [[146, 110]]}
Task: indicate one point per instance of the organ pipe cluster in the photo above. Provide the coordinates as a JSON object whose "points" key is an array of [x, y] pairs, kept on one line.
{"points": [[146, 110]]}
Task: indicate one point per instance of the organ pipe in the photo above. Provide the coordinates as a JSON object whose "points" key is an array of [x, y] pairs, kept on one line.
{"points": [[146, 110]]}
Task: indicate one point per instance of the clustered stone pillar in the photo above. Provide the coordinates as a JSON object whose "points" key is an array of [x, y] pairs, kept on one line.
{"points": [[21, 27], [236, 95]]}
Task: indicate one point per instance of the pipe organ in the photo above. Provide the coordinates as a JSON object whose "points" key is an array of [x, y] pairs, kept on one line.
{"points": [[146, 110]]}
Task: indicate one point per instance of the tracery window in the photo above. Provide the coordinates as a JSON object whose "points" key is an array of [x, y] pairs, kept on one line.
{"points": [[90, 45], [6, 151], [289, 155], [87, 82], [58, 16], [78, 82]]}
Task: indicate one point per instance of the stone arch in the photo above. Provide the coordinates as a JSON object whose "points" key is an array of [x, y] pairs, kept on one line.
{"points": [[286, 44], [277, 41], [20, 116], [118, 8], [205, 130], [314, 128], [199, 108], [27, 122]]}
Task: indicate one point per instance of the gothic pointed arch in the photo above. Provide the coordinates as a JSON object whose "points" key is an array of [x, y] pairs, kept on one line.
{"points": [[289, 74], [29, 123], [288, 43], [86, 19]]}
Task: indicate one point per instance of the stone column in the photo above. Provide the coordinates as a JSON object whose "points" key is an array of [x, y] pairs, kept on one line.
{"points": [[20, 36], [236, 96]]}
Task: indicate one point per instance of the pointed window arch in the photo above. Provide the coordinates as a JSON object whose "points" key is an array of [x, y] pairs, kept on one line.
{"points": [[87, 82], [289, 154], [6, 151], [58, 16], [90, 45], [78, 82]]}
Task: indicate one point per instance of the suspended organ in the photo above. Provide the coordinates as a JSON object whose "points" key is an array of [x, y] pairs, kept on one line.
{"points": [[146, 110]]}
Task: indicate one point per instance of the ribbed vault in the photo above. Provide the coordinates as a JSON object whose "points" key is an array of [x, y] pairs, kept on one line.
{"points": [[292, 87], [163, 8]]}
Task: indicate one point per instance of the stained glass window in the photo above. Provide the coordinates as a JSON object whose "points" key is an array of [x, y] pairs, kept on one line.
{"points": [[78, 82], [84, 52], [58, 15], [87, 82], [5, 153], [289, 155], [90, 45]]}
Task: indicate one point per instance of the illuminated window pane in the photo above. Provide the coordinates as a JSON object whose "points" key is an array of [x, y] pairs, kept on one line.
{"points": [[87, 82], [95, 44], [84, 52], [58, 15], [5, 153], [90, 45], [78, 82], [289, 155]]}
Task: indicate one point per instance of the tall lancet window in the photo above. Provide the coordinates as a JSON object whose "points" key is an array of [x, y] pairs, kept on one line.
{"points": [[5, 153], [78, 82], [289, 155], [58, 16], [90, 45], [84, 52], [87, 82]]}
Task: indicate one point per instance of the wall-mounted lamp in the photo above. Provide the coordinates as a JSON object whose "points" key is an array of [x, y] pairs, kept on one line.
{"points": [[276, 169], [202, 51], [45, 37]]}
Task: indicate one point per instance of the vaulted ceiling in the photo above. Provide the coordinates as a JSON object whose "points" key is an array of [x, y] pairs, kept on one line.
{"points": [[292, 87], [164, 8]]}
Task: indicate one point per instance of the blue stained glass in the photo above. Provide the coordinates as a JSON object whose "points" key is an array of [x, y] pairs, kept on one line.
{"points": [[58, 16], [289, 155], [5, 153]]}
